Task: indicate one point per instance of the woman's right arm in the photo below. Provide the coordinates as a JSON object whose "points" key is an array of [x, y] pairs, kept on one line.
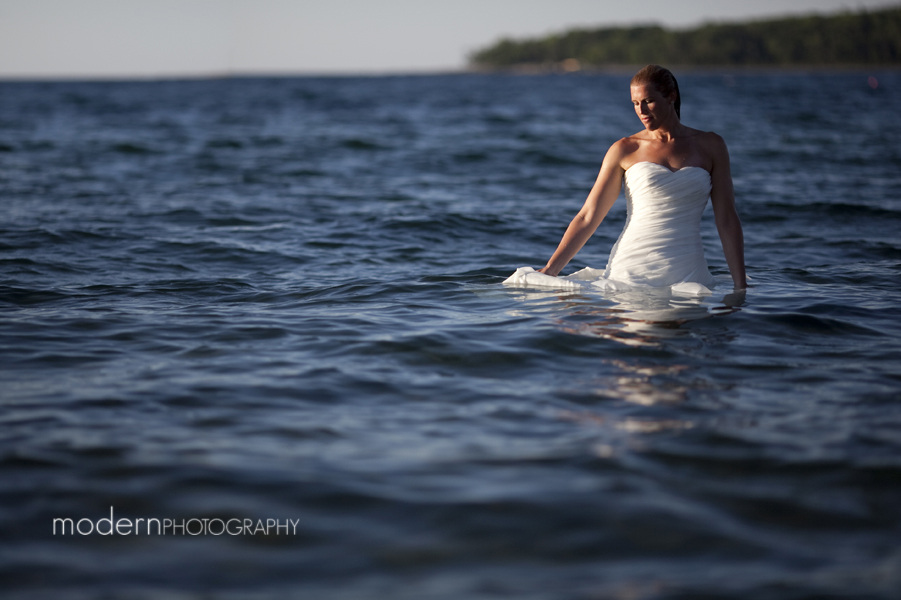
{"points": [[602, 196]]}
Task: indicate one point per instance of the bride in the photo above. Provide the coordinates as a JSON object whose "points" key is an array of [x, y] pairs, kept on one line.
{"points": [[669, 171]]}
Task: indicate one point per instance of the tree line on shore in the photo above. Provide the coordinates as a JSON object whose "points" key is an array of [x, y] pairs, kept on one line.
{"points": [[846, 39]]}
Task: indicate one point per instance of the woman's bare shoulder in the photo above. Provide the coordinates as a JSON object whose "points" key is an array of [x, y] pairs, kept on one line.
{"points": [[619, 150], [624, 147], [709, 140]]}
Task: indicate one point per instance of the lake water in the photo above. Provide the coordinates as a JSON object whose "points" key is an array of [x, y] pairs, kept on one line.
{"points": [[281, 299]]}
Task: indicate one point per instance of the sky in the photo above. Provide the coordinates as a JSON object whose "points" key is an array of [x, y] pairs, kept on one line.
{"points": [[176, 38]]}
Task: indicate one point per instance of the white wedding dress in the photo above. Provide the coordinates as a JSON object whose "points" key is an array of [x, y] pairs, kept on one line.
{"points": [[660, 246]]}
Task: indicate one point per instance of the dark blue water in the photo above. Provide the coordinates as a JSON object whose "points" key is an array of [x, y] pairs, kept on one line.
{"points": [[281, 299]]}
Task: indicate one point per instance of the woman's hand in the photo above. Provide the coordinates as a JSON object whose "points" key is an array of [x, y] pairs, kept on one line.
{"points": [[736, 298]]}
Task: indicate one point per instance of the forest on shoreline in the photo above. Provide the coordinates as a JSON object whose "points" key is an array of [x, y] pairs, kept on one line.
{"points": [[846, 39]]}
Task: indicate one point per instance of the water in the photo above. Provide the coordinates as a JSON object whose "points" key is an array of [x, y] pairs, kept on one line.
{"points": [[281, 298]]}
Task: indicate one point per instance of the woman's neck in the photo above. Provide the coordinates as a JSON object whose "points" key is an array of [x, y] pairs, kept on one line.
{"points": [[668, 131]]}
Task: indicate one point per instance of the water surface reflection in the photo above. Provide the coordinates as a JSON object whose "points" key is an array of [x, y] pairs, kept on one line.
{"points": [[635, 318]]}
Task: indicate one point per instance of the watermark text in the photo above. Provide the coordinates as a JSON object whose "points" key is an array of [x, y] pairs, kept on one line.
{"points": [[154, 526]]}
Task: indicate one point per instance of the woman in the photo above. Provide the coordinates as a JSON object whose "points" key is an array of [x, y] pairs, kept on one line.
{"points": [[669, 170]]}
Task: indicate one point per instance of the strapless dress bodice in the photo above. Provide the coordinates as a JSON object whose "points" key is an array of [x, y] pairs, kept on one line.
{"points": [[661, 242]]}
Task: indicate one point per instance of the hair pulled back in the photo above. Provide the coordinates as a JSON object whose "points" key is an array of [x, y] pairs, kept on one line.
{"points": [[662, 79]]}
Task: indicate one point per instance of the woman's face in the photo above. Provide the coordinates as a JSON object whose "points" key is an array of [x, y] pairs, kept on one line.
{"points": [[652, 107]]}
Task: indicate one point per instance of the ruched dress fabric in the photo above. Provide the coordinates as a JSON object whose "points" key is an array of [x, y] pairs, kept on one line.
{"points": [[660, 246]]}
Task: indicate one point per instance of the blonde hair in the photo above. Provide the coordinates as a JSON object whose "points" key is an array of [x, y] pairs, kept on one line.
{"points": [[662, 79]]}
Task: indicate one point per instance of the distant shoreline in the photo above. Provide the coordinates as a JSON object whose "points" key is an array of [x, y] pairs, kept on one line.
{"points": [[844, 40], [546, 69]]}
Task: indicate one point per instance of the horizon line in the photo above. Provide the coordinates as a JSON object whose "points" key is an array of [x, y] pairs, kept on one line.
{"points": [[531, 69]]}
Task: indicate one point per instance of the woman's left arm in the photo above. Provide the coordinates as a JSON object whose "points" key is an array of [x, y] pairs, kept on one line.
{"points": [[728, 224]]}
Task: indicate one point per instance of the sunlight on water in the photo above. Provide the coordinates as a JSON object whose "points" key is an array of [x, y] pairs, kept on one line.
{"points": [[264, 299]]}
